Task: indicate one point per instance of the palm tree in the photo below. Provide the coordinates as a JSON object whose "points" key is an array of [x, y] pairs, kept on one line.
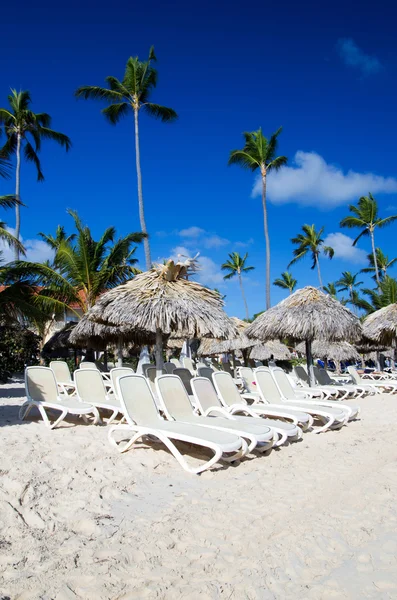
{"points": [[366, 218], [382, 261], [60, 236], [286, 282], [236, 265], [26, 129], [260, 153], [5, 235], [132, 94], [310, 241], [347, 283], [330, 289], [383, 295], [83, 268]]}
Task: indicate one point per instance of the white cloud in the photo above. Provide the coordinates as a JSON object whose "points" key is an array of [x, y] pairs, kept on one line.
{"points": [[214, 241], [191, 232], [356, 58], [209, 274], [344, 249], [36, 250], [311, 181], [249, 242]]}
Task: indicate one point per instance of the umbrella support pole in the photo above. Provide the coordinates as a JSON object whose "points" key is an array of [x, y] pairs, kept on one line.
{"points": [[309, 360], [105, 359], [159, 352], [119, 352]]}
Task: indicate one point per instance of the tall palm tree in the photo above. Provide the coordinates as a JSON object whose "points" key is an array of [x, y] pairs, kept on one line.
{"points": [[366, 218], [26, 130], [382, 262], [83, 268], [347, 283], [132, 95], [330, 289], [311, 242], [286, 282], [236, 265], [60, 236], [260, 153], [383, 295]]}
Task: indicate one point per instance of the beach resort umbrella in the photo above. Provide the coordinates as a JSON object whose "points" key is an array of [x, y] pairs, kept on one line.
{"points": [[162, 301], [272, 348], [308, 314], [240, 341], [381, 326], [335, 350]]}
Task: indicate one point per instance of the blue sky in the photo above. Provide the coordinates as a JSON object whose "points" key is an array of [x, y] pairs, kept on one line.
{"points": [[327, 74]]}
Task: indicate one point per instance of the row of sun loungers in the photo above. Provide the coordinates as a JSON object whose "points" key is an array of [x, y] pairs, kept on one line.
{"points": [[207, 410]]}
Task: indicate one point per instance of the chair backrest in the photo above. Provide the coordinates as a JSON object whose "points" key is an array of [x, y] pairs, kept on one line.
{"points": [[301, 374], [186, 377], [248, 378], [283, 383], [227, 368], [173, 397], [145, 368], [117, 372], [169, 367], [266, 385], [89, 386], [176, 362], [205, 372], [88, 365], [204, 393], [226, 389], [353, 372], [41, 385], [151, 374], [137, 400], [188, 364], [321, 376], [61, 370]]}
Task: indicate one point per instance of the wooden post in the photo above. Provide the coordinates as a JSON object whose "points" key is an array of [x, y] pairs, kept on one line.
{"points": [[159, 352], [309, 360]]}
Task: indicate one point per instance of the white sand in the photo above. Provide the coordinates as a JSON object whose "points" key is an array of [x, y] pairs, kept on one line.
{"points": [[314, 520]]}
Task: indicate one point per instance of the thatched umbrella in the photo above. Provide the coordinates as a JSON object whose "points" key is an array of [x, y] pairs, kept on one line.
{"points": [[381, 326], [336, 350], [307, 314], [162, 301], [60, 340], [272, 348], [208, 347]]}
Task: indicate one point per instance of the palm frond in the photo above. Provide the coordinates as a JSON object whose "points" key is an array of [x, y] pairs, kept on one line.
{"points": [[163, 113]]}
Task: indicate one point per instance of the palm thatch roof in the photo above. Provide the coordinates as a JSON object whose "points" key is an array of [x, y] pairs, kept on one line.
{"points": [[236, 342], [335, 350], [98, 336], [381, 326], [60, 340], [307, 314], [272, 348], [162, 299]]}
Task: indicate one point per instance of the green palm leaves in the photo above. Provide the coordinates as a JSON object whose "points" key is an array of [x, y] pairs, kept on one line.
{"points": [[131, 95], [286, 282], [236, 266], [260, 153], [311, 242]]}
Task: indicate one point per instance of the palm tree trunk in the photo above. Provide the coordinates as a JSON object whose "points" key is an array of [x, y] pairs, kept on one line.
{"points": [[267, 241], [243, 295], [375, 259], [140, 194], [319, 272], [17, 195]]}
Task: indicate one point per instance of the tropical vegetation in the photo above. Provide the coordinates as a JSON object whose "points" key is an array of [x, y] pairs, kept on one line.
{"points": [[382, 262], [260, 153], [286, 282], [236, 266], [132, 95], [311, 243]]}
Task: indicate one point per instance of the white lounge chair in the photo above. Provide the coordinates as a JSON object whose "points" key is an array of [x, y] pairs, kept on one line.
{"points": [[169, 367], [117, 372], [187, 363], [302, 379], [207, 403], [143, 420], [42, 393], [377, 387], [85, 364], [330, 417], [63, 377], [345, 389], [186, 376], [235, 403], [176, 362], [288, 395], [90, 387], [176, 405]]}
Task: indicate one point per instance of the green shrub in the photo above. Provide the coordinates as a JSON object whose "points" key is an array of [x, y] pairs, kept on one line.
{"points": [[19, 348]]}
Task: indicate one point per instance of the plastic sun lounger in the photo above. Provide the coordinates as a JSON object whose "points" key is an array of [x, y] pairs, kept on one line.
{"points": [[346, 389], [176, 405], [302, 379], [288, 395], [42, 393], [207, 402], [90, 387], [235, 403], [63, 376], [330, 417], [143, 419], [377, 387]]}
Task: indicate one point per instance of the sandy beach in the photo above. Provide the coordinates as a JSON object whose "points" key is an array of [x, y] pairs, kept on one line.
{"points": [[314, 520]]}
